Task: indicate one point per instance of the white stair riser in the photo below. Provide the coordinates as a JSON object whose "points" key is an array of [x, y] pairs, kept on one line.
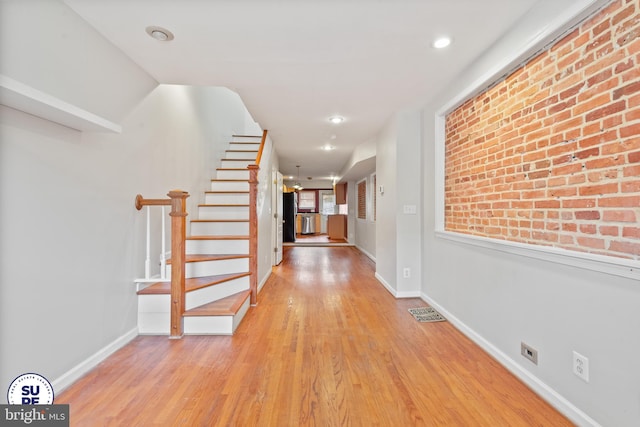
{"points": [[215, 325], [229, 186], [226, 198], [254, 139], [236, 164], [223, 212], [241, 153], [153, 323], [213, 267], [213, 293], [254, 146], [219, 228], [217, 247], [162, 303], [233, 174], [154, 303]]}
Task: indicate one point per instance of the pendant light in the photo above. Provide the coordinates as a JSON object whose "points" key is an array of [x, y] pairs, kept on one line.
{"points": [[297, 185]]}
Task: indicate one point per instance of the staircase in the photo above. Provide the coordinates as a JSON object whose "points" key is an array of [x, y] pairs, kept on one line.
{"points": [[217, 267]]}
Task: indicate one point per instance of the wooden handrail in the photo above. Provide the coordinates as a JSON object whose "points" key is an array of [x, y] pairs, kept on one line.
{"points": [[141, 201], [177, 201], [262, 142]]}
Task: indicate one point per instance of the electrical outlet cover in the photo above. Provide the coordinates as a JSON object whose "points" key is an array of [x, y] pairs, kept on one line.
{"points": [[581, 366]]}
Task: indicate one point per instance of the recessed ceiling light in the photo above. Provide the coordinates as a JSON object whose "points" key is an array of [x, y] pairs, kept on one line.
{"points": [[159, 33], [441, 42], [328, 147], [336, 120]]}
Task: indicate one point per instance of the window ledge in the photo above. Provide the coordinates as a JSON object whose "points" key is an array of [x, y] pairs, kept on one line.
{"points": [[22, 97], [600, 263]]}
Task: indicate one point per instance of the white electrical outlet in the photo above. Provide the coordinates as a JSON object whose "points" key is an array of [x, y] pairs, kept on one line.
{"points": [[529, 352], [581, 366], [406, 273]]}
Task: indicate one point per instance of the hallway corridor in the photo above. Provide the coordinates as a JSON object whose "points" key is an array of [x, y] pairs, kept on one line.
{"points": [[327, 345]]}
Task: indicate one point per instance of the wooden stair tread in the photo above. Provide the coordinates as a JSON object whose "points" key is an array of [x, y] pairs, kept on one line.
{"points": [[218, 237], [225, 204], [223, 307], [219, 220], [163, 288], [213, 257], [226, 192]]}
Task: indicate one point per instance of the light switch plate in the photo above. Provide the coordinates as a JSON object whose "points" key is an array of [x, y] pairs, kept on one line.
{"points": [[409, 209]]}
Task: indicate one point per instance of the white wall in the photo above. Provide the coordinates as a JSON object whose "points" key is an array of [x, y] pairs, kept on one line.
{"points": [[501, 299], [386, 230], [72, 241], [44, 44], [264, 208], [365, 229], [398, 170], [408, 194]]}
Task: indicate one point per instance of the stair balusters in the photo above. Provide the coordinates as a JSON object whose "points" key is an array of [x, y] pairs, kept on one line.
{"points": [[177, 201]]}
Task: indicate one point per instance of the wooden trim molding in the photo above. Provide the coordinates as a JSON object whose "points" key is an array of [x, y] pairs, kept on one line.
{"points": [[253, 232], [262, 142]]}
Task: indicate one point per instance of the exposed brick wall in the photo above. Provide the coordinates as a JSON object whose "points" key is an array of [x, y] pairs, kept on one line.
{"points": [[551, 154]]}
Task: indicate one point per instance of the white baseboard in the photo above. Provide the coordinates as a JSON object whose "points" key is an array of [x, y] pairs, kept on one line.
{"points": [[371, 257], [71, 376], [264, 280], [554, 398], [408, 294], [396, 294], [386, 285]]}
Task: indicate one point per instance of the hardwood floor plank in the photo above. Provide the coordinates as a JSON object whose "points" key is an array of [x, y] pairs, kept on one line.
{"points": [[328, 346]]}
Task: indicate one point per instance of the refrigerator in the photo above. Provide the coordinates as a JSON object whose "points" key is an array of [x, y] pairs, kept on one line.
{"points": [[289, 211]]}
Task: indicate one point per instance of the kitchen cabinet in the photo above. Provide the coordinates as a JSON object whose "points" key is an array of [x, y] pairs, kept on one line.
{"points": [[341, 193], [337, 226]]}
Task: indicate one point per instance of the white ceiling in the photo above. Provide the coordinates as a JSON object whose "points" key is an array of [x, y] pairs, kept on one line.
{"points": [[295, 63]]}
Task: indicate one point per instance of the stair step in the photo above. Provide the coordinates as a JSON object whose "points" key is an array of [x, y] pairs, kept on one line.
{"points": [[241, 154], [226, 197], [236, 163], [223, 211], [154, 309], [221, 237], [232, 173], [209, 227], [229, 185], [219, 318], [245, 146], [217, 244], [198, 265], [222, 307], [192, 284]]}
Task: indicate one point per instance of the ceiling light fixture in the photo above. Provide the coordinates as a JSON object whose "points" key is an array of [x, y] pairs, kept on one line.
{"points": [[297, 185], [441, 42], [336, 120], [328, 147], [159, 33]]}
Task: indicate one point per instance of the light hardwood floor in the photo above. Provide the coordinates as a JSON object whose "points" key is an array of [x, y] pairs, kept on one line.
{"points": [[327, 345]]}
